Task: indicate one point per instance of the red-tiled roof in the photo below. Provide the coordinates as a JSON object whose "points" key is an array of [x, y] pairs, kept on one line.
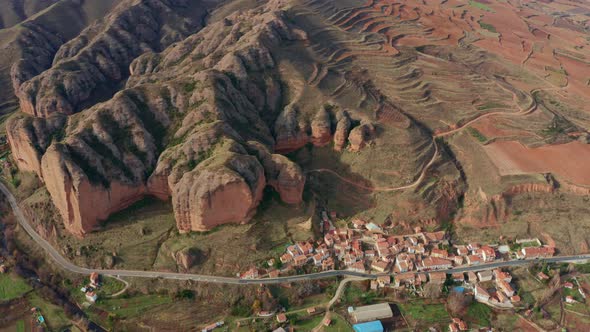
{"points": [[281, 318]]}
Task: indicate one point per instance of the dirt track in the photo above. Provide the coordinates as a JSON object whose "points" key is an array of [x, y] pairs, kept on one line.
{"points": [[434, 156]]}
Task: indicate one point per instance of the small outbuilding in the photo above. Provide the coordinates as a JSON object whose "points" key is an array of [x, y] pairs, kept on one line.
{"points": [[372, 312], [94, 279], [374, 326]]}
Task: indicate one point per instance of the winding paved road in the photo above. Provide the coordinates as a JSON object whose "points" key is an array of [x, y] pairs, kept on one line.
{"points": [[63, 263]]}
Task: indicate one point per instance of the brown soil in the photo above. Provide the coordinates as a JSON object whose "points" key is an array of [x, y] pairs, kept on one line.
{"points": [[568, 161]]}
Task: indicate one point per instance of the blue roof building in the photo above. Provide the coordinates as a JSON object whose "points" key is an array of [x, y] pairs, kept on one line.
{"points": [[374, 326]]}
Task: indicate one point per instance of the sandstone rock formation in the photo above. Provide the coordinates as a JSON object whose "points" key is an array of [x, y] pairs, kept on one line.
{"points": [[186, 258], [82, 201], [207, 198], [30, 137], [321, 128], [483, 209], [200, 118], [104, 162], [290, 130], [342, 130], [282, 174], [360, 136], [89, 65]]}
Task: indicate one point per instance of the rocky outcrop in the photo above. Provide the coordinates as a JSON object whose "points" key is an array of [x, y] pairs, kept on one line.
{"points": [[529, 188], [39, 46], [287, 179], [81, 202], [574, 189], [343, 125], [321, 128], [282, 174], [186, 258], [227, 193], [483, 209], [198, 123], [30, 137], [90, 65], [360, 136], [290, 131], [102, 164]]}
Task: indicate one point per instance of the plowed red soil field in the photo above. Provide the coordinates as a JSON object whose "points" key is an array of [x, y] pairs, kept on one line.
{"points": [[568, 161]]}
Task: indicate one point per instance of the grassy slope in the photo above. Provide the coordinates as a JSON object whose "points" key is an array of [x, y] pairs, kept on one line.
{"points": [[424, 315], [144, 236], [12, 287], [55, 317]]}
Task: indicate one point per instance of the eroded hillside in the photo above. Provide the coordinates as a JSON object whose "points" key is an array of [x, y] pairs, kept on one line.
{"points": [[160, 98]]}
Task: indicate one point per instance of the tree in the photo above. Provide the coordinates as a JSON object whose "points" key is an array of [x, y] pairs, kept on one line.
{"points": [[256, 306], [458, 303], [307, 288], [186, 294], [278, 264], [432, 290]]}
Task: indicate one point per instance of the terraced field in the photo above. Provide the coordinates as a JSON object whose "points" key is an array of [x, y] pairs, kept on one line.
{"points": [[468, 114], [447, 66]]}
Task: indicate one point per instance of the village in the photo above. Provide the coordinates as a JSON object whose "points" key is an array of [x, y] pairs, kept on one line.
{"points": [[406, 262]]}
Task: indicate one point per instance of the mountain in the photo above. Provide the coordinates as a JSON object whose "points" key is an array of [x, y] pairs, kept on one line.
{"points": [[207, 103]]}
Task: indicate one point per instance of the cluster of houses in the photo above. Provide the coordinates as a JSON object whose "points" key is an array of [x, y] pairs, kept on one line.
{"points": [[458, 325], [570, 299], [494, 288], [90, 289], [365, 246]]}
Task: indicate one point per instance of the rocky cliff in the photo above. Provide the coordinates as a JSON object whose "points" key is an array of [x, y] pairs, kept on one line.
{"points": [[483, 209], [186, 139], [87, 68], [148, 102], [30, 137]]}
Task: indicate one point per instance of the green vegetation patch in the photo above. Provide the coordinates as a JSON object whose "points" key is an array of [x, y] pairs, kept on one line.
{"points": [[189, 87], [583, 268], [308, 324], [133, 234], [479, 313], [338, 324], [133, 209], [355, 295], [491, 105], [481, 6], [12, 287], [132, 307], [559, 126], [20, 326], [110, 286], [55, 316], [488, 27], [477, 134], [425, 313]]}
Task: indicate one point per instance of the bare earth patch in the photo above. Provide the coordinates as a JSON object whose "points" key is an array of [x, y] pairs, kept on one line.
{"points": [[568, 161]]}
